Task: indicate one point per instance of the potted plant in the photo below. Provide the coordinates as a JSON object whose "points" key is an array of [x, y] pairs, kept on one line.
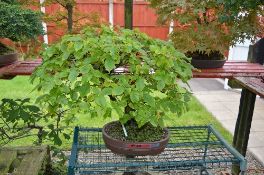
{"points": [[17, 24], [119, 74], [205, 30]]}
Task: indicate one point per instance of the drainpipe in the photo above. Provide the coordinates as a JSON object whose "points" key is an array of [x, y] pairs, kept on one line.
{"points": [[45, 37], [111, 13], [171, 26]]}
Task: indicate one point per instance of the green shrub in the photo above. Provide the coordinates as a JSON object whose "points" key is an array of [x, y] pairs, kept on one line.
{"points": [[19, 24]]}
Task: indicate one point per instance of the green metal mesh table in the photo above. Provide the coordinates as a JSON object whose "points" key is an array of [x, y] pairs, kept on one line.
{"points": [[196, 149]]}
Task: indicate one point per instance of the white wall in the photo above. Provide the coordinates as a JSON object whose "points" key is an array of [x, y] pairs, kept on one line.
{"points": [[239, 51]]}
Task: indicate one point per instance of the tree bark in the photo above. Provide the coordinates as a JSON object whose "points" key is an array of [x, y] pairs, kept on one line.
{"points": [[69, 8], [129, 14]]}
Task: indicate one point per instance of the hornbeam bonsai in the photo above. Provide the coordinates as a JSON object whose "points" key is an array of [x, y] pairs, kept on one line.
{"points": [[119, 74]]}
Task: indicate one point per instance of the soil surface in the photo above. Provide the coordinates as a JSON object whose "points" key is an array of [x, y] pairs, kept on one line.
{"points": [[146, 133], [213, 55]]}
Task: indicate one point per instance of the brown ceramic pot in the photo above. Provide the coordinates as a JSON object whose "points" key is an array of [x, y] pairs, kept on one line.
{"points": [[135, 148], [207, 64], [8, 59]]}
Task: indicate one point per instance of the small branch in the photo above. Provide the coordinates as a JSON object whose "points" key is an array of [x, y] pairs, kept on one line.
{"points": [[60, 3], [16, 137], [5, 123], [198, 20], [3, 131], [205, 16], [34, 126], [83, 17]]}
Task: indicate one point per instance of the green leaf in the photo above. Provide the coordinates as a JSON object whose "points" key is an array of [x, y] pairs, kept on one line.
{"points": [[66, 136], [57, 140], [134, 96], [65, 55], [100, 100], [33, 108], [107, 113], [107, 91], [84, 89], [118, 90], [84, 106], [154, 122], [73, 75], [78, 46], [149, 100], [50, 51], [160, 85], [140, 84], [109, 64], [74, 96], [118, 108]]}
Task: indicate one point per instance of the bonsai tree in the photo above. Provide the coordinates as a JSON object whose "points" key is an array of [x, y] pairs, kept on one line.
{"points": [[18, 24], [208, 26], [118, 74]]}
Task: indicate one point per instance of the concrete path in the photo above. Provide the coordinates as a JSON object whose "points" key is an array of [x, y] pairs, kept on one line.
{"points": [[224, 104]]}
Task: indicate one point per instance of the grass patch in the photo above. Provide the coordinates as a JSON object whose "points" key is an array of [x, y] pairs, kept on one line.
{"points": [[20, 87]]}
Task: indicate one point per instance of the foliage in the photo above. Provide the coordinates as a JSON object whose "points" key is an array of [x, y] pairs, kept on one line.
{"points": [[233, 9], [79, 74], [200, 25], [19, 119], [17, 23]]}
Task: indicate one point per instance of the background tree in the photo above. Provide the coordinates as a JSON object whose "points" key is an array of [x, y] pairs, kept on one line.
{"points": [[17, 23], [69, 17], [210, 25]]}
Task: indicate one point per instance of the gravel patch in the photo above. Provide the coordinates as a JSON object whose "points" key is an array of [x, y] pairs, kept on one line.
{"points": [[254, 166]]}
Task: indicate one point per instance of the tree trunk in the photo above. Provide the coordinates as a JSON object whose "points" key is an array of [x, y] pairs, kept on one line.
{"points": [[69, 8], [129, 14]]}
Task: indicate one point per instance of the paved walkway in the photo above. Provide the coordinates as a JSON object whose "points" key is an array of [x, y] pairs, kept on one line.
{"points": [[224, 104]]}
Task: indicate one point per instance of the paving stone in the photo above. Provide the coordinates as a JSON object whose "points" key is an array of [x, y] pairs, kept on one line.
{"points": [[257, 125], [256, 140], [224, 115], [229, 125]]}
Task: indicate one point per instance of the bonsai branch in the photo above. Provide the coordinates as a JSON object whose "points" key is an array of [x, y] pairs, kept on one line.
{"points": [[59, 115], [205, 16], [8, 138]]}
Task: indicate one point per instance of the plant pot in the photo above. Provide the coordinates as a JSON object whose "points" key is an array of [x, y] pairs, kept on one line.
{"points": [[8, 59], [207, 64], [134, 148]]}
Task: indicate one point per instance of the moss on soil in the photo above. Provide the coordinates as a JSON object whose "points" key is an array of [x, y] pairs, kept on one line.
{"points": [[146, 133]]}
